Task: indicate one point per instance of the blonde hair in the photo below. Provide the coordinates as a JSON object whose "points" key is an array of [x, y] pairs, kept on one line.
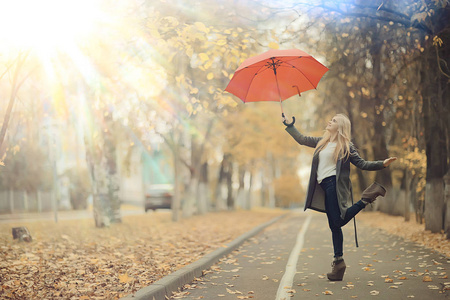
{"points": [[344, 132]]}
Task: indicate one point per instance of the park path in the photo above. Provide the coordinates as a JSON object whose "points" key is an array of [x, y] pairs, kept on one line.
{"points": [[383, 267], [130, 210]]}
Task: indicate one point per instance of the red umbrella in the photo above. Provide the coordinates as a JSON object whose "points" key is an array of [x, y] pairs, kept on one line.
{"points": [[276, 75]]}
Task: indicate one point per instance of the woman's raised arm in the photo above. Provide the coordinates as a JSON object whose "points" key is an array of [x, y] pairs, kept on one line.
{"points": [[309, 141]]}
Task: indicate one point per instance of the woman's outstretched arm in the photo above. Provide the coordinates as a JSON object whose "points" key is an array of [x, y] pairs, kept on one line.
{"points": [[300, 138], [364, 164], [389, 161]]}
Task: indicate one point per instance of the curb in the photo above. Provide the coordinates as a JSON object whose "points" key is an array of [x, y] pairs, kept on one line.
{"points": [[164, 287]]}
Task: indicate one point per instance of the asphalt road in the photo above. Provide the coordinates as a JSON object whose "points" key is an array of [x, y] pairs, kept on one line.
{"points": [[290, 259]]}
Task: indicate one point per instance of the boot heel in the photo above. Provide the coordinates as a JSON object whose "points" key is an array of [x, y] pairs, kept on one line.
{"points": [[340, 274], [337, 273]]}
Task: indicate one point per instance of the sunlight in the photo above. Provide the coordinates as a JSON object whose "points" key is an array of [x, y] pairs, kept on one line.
{"points": [[45, 25]]}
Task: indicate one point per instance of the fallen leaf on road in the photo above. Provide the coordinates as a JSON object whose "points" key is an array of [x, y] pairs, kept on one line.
{"points": [[327, 293], [230, 261], [265, 277], [374, 293], [306, 290], [389, 280], [393, 287], [403, 278], [433, 287], [427, 278], [124, 278]]}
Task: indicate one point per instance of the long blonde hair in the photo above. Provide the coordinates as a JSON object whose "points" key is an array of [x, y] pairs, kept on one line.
{"points": [[344, 132]]}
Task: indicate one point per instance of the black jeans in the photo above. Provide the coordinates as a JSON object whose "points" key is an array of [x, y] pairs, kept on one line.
{"points": [[334, 213]]}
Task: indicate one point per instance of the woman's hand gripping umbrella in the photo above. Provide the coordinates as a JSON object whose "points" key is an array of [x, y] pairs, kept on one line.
{"points": [[276, 75]]}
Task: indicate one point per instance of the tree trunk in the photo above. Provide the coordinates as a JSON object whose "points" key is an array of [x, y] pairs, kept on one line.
{"points": [[220, 197], [447, 204], [378, 139], [189, 204], [203, 190], [249, 193], [405, 186], [240, 197], [229, 176], [176, 201], [436, 145], [102, 163]]}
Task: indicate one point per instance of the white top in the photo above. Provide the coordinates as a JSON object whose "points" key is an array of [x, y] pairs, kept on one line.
{"points": [[327, 165]]}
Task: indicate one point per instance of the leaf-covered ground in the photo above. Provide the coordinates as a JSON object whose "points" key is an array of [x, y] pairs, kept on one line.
{"points": [[74, 260], [409, 230]]}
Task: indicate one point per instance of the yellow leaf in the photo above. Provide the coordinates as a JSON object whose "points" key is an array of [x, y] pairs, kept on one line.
{"points": [[274, 45], [189, 108], [208, 64], [221, 42], [124, 278], [427, 279], [200, 26], [155, 33], [203, 57], [210, 76]]}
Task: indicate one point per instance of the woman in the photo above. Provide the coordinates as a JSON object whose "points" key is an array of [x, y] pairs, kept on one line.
{"points": [[329, 184]]}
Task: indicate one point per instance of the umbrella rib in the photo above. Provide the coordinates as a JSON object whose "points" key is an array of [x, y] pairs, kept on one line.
{"points": [[302, 73], [249, 86]]}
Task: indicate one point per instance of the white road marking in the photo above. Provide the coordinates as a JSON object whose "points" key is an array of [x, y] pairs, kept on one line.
{"points": [[291, 267]]}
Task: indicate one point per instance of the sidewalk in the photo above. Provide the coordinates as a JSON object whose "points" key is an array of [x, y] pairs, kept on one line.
{"points": [[384, 266], [125, 210]]}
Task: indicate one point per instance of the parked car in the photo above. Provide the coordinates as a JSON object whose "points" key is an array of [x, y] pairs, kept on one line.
{"points": [[158, 196]]}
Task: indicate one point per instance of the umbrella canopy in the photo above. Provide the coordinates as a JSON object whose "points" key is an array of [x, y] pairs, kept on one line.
{"points": [[276, 75]]}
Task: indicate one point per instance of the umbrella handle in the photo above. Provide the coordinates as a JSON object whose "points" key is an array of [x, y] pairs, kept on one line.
{"points": [[286, 123]]}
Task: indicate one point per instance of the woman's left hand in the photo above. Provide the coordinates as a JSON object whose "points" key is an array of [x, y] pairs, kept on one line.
{"points": [[388, 161]]}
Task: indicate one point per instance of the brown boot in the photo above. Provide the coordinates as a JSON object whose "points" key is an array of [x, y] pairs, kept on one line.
{"points": [[337, 273], [372, 192]]}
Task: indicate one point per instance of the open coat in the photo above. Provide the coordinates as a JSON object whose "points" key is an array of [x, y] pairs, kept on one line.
{"points": [[315, 197]]}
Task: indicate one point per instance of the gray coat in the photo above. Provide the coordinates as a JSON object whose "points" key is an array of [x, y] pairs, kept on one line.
{"points": [[315, 197]]}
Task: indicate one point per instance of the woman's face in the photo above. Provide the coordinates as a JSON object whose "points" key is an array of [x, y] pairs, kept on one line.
{"points": [[332, 125]]}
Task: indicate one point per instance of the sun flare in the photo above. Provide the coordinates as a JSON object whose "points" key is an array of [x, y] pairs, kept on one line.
{"points": [[45, 25]]}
